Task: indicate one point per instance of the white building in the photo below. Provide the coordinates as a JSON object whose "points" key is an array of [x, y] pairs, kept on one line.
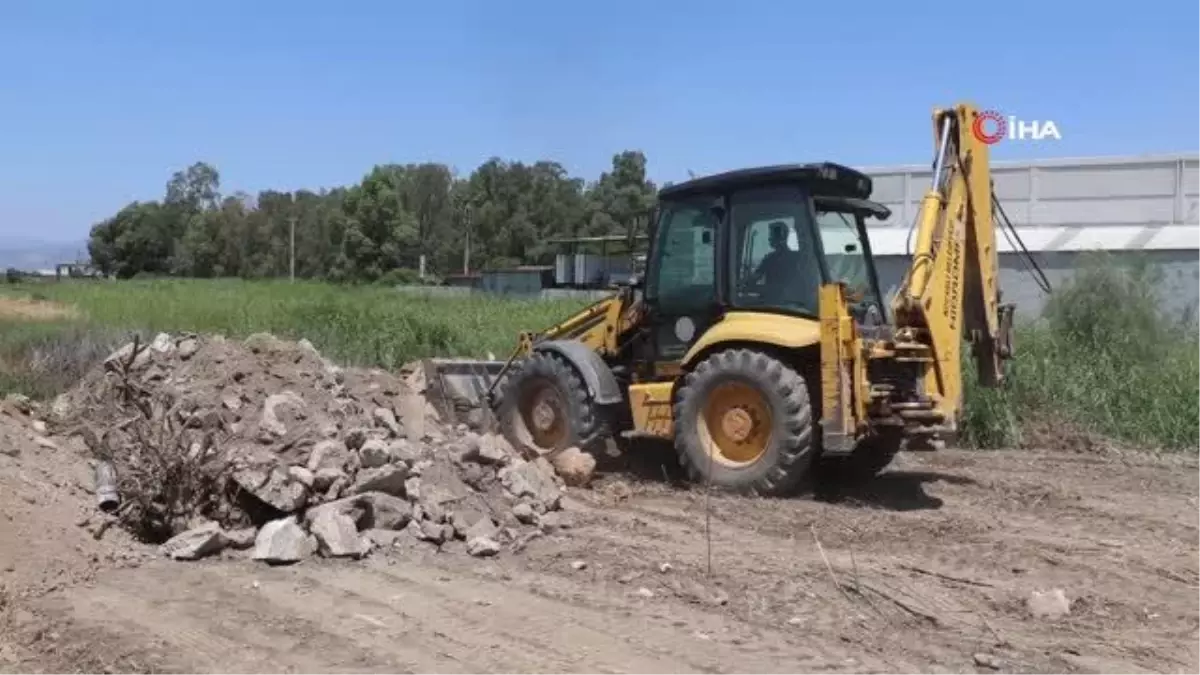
{"points": [[1131, 206]]}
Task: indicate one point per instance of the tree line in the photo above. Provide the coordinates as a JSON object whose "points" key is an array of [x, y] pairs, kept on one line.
{"points": [[377, 229]]}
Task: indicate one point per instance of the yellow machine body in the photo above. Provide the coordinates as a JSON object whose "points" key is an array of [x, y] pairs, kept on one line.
{"points": [[800, 385]]}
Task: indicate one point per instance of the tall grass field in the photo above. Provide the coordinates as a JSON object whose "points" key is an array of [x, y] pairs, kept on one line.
{"points": [[1103, 360]]}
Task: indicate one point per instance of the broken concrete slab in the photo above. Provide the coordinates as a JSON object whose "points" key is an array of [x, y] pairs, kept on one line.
{"points": [[241, 538], [374, 453], [387, 419], [535, 480], [388, 479], [403, 451], [275, 404], [196, 543], [482, 547], [370, 510], [329, 453], [574, 466], [273, 487], [337, 534], [282, 541]]}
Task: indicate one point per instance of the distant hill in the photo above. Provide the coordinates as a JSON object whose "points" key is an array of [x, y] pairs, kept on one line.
{"points": [[29, 255]]}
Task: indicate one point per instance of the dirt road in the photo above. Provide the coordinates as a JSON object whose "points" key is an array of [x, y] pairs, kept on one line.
{"points": [[927, 570]]}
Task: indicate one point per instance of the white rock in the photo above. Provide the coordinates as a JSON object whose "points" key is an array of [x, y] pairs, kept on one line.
{"points": [[481, 547], [241, 538], [387, 419], [1048, 604], [162, 343], [524, 513], [390, 479], [374, 453], [188, 348], [282, 541], [196, 543], [301, 475], [270, 416], [337, 535], [575, 467]]}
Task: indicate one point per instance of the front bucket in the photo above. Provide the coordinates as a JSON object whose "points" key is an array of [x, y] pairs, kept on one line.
{"points": [[457, 389]]}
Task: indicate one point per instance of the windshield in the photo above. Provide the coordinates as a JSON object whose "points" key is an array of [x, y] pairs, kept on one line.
{"points": [[845, 256]]}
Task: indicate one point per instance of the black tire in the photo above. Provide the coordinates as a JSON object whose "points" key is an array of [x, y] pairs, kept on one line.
{"points": [[784, 465], [871, 456], [542, 372]]}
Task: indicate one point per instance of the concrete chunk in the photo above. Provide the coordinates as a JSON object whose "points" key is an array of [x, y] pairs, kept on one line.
{"points": [[198, 542], [282, 541], [374, 453], [273, 487], [482, 547], [337, 535], [387, 479], [534, 480], [370, 510]]}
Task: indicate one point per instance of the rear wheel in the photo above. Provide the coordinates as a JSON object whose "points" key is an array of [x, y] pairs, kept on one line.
{"points": [[743, 422], [544, 407]]}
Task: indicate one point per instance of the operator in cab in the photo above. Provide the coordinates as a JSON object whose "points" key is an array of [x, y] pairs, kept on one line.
{"points": [[780, 268]]}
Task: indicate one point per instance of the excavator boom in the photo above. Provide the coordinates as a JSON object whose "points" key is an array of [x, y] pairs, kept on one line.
{"points": [[951, 292]]}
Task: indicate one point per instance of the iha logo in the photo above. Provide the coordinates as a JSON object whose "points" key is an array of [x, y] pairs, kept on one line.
{"points": [[991, 127]]}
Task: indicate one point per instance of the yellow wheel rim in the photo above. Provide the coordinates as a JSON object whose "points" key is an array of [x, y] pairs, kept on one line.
{"points": [[735, 424], [543, 416]]}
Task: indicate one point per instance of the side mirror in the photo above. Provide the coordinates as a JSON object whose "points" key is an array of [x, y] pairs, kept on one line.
{"points": [[851, 248]]}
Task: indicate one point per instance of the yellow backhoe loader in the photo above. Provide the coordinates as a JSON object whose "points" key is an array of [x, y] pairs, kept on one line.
{"points": [[758, 339]]}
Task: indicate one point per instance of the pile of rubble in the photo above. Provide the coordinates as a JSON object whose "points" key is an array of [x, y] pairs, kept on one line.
{"points": [[264, 445]]}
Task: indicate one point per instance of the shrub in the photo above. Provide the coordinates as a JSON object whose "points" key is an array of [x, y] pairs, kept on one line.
{"points": [[1105, 359]]}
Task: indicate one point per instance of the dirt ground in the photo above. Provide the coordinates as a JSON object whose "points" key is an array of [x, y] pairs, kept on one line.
{"points": [[927, 569]]}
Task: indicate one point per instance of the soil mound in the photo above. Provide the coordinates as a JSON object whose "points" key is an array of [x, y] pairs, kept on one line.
{"points": [[264, 444]]}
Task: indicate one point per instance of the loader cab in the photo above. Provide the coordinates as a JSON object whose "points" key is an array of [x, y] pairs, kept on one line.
{"points": [[761, 240]]}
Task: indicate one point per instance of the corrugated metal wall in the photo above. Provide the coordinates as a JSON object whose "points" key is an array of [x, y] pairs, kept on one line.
{"points": [[1132, 207], [1179, 273], [1110, 203]]}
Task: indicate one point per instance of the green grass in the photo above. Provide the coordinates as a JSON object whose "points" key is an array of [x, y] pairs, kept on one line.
{"points": [[359, 325], [354, 325], [1103, 360]]}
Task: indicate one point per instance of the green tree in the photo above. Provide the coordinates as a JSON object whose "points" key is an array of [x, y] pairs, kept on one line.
{"points": [[507, 213]]}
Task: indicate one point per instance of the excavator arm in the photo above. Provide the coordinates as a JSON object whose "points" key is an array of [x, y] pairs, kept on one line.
{"points": [[951, 294]]}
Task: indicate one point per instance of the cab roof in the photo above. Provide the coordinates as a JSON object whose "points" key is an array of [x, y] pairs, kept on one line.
{"points": [[833, 180]]}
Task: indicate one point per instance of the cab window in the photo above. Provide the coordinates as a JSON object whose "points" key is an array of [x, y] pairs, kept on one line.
{"points": [[844, 253], [685, 277], [776, 263]]}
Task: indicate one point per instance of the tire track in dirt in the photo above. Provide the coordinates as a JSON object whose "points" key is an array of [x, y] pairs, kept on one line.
{"points": [[407, 618], [1120, 537], [1112, 531]]}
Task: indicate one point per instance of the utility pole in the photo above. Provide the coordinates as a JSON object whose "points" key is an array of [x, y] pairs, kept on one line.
{"points": [[292, 248], [467, 246]]}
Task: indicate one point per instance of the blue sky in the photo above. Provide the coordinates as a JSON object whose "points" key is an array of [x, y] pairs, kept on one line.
{"points": [[103, 100]]}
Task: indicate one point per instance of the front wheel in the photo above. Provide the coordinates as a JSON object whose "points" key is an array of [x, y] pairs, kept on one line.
{"points": [[544, 407], [743, 422]]}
